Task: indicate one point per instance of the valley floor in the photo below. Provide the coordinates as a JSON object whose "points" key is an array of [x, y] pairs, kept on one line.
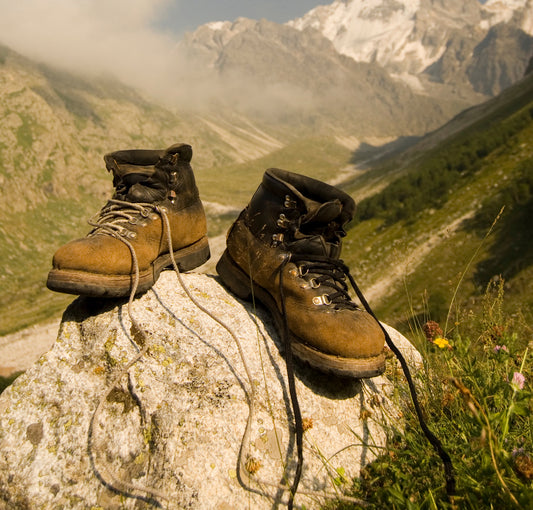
{"points": [[18, 351]]}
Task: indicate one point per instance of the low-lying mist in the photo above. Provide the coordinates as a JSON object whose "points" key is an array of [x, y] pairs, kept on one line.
{"points": [[119, 39]]}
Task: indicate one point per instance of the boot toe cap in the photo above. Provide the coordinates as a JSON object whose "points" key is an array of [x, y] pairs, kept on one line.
{"points": [[346, 333], [103, 256]]}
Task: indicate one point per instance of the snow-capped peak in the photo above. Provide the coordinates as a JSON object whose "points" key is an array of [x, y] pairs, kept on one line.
{"points": [[366, 30], [406, 35], [501, 11]]}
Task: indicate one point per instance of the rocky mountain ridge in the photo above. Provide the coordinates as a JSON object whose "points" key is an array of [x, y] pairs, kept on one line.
{"points": [[282, 74], [415, 38], [376, 67]]}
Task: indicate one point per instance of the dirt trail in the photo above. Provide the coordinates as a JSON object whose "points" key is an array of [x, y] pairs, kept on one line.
{"points": [[409, 262], [18, 351]]}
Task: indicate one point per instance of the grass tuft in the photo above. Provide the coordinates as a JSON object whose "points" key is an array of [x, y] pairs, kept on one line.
{"points": [[476, 395]]}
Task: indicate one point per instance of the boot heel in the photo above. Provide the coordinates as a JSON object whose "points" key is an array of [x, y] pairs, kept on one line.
{"points": [[233, 278], [193, 256]]}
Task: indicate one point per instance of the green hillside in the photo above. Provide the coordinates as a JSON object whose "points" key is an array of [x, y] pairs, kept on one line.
{"points": [[450, 218]]}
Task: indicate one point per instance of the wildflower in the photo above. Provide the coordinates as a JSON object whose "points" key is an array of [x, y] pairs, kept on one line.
{"points": [[432, 330], [518, 381], [524, 465], [442, 343], [307, 423], [500, 348]]}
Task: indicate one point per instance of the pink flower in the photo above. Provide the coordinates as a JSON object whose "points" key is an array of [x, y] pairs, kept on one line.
{"points": [[498, 348], [518, 381]]}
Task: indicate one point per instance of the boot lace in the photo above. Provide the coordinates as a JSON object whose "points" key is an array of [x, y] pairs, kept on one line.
{"points": [[333, 274], [117, 215]]}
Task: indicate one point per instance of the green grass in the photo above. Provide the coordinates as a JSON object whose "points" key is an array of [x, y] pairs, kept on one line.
{"points": [[474, 402], [26, 249], [234, 184]]}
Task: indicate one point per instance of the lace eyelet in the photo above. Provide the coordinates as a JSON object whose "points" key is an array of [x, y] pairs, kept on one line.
{"points": [[283, 221], [313, 283], [322, 300], [302, 270], [277, 239], [289, 202]]}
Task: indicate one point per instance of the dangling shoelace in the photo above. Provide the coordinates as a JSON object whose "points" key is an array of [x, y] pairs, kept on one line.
{"points": [[109, 220], [333, 273]]}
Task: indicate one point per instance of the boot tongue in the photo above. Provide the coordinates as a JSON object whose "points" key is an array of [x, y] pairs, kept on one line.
{"points": [[140, 188], [321, 213], [318, 226], [136, 183], [317, 212], [316, 245]]}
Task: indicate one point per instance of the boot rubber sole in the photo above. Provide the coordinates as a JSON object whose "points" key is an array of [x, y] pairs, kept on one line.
{"points": [[83, 283], [242, 286]]}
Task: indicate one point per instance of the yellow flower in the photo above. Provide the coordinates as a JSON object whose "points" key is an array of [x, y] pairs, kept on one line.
{"points": [[441, 342]]}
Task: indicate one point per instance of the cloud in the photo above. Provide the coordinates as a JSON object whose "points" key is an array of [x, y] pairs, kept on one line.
{"points": [[124, 38], [93, 36]]}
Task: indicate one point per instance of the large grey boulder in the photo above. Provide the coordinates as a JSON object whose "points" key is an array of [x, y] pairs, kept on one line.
{"points": [[201, 420]]}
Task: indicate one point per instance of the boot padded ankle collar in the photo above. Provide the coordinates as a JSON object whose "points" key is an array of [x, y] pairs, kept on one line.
{"points": [[313, 194], [141, 161]]}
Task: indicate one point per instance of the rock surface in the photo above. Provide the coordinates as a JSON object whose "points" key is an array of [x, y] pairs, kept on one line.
{"points": [[184, 426]]}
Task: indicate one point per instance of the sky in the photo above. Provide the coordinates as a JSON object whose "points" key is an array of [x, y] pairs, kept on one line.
{"points": [[180, 16], [133, 40]]}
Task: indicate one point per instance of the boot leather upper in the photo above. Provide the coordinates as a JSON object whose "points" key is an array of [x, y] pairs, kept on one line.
{"points": [[259, 243], [162, 178]]}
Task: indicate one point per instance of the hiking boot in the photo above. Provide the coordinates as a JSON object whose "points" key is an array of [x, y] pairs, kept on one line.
{"points": [[155, 208], [284, 251]]}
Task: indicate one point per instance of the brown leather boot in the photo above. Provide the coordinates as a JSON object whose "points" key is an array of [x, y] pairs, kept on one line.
{"points": [[155, 205], [284, 250]]}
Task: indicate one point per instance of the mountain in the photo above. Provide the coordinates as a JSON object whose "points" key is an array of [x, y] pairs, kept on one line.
{"points": [[454, 42], [376, 68], [282, 74]]}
